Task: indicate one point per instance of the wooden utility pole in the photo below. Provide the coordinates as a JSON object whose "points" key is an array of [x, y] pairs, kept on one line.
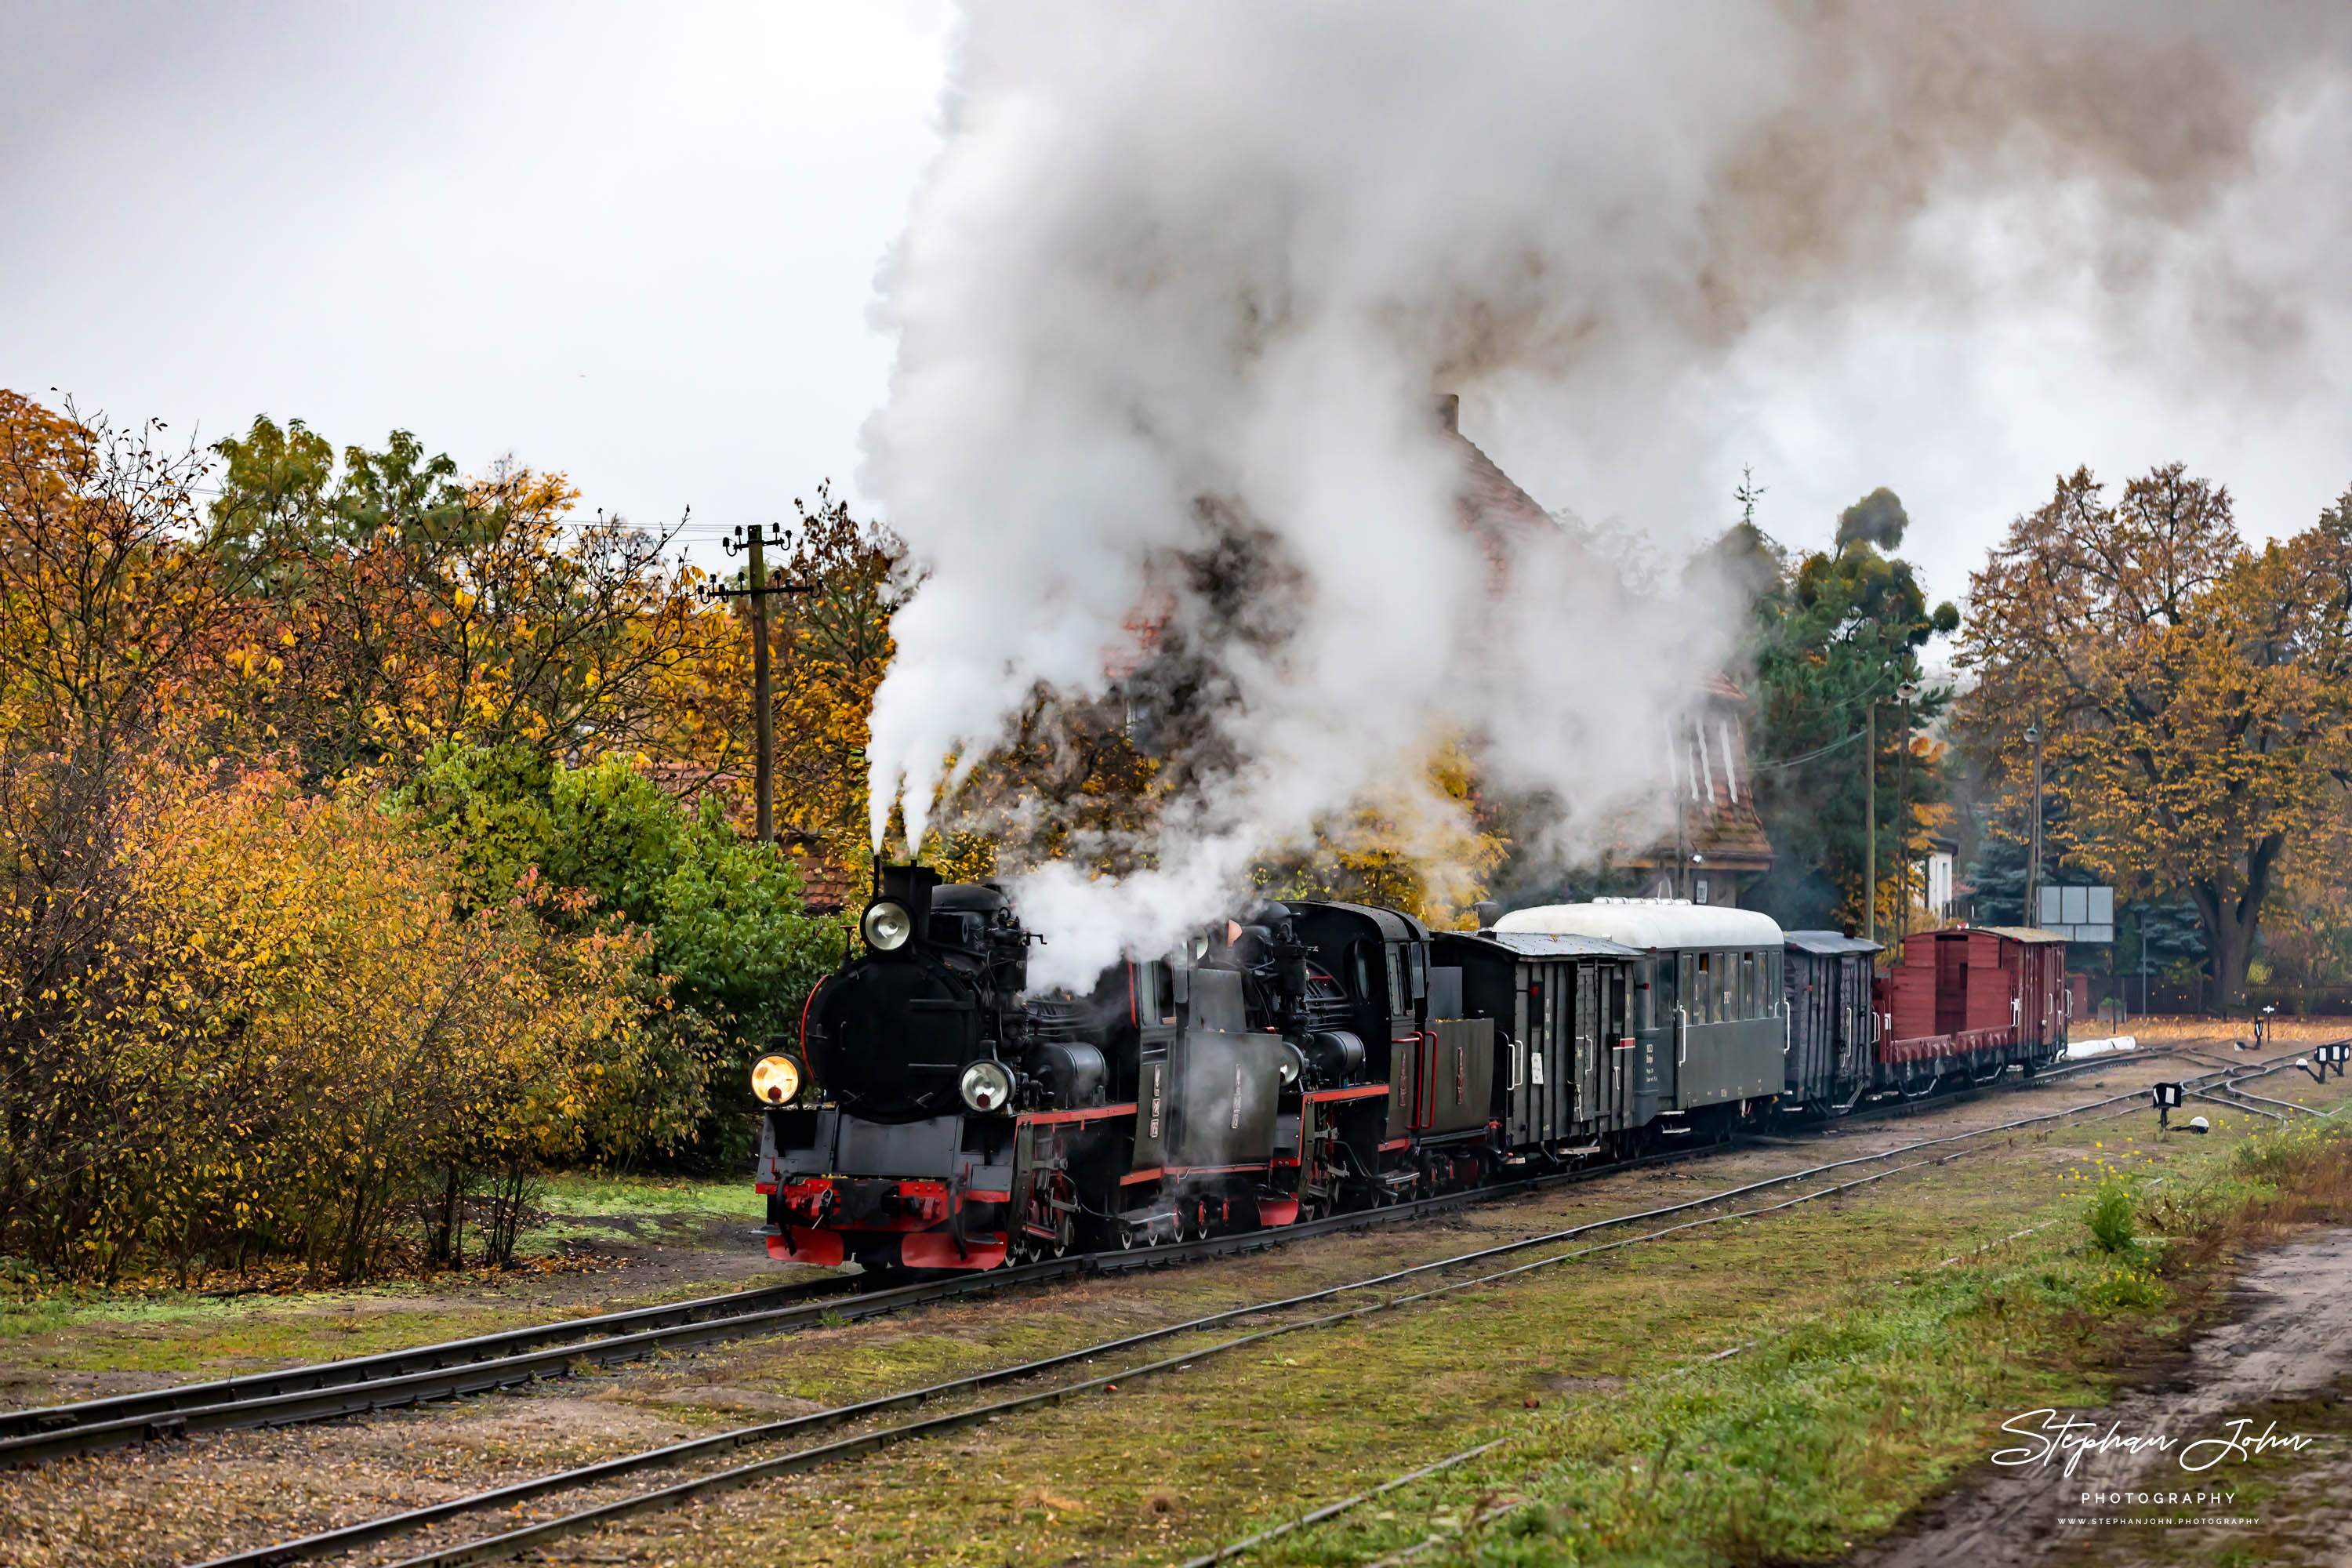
{"points": [[2033, 912], [757, 588], [1903, 826], [1870, 821]]}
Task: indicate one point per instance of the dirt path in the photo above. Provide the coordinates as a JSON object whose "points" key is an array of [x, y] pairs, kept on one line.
{"points": [[2280, 1369]]}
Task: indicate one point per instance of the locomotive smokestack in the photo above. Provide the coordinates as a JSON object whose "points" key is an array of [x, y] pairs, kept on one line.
{"points": [[1449, 412]]}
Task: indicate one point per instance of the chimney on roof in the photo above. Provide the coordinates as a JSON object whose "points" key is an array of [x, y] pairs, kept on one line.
{"points": [[1449, 412]]}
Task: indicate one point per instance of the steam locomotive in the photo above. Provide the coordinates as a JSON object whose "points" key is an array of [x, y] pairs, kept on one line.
{"points": [[1300, 1058]]}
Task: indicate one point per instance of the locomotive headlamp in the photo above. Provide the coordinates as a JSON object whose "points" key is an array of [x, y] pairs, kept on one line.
{"points": [[886, 926], [775, 1081], [985, 1086]]}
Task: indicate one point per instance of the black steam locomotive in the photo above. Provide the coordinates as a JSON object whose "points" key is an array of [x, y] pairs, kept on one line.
{"points": [[1296, 1059]]}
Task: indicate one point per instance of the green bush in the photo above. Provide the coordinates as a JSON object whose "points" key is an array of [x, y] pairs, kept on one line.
{"points": [[2114, 1219], [730, 937]]}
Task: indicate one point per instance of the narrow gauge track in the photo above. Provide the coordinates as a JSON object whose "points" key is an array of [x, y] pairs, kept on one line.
{"points": [[361, 1386], [351, 1537]]}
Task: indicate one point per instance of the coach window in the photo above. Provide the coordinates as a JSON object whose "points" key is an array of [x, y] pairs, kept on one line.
{"points": [[1748, 987], [1727, 982]]}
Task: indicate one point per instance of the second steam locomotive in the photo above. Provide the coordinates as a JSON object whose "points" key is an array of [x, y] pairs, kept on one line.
{"points": [[933, 1113]]}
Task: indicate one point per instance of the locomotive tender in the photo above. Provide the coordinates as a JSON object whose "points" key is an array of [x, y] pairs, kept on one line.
{"points": [[1300, 1058]]}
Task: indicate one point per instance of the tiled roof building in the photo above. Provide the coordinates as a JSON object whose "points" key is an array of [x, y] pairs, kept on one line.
{"points": [[1719, 851]]}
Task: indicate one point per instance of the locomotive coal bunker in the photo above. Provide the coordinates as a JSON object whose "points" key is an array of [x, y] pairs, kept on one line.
{"points": [[1299, 1059]]}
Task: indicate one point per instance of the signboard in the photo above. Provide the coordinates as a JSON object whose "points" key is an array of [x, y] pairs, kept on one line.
{"points": [[2080, 913]]}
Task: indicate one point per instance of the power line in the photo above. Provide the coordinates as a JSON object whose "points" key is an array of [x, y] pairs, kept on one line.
{"points": [[1807, 757]]}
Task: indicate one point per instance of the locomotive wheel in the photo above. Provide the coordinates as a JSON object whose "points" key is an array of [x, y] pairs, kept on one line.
{"points": [[1127, 1240]]}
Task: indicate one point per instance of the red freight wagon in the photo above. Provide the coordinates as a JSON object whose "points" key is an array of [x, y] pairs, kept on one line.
{"points": [[1974, 999]]}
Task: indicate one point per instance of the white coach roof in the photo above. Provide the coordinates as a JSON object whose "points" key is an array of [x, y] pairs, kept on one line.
{"points": [[1648, 923]]}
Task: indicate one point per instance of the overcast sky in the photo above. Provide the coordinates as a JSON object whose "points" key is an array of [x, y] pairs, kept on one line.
{"points": [[637, 243], [640, 243]]}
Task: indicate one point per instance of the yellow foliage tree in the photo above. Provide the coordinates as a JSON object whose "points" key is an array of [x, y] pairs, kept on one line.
{"points": [[297, 1039], [2195, 693], [395, 605]]}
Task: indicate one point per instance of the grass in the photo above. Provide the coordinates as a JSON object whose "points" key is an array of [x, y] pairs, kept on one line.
{"points": [[1832, 1427], [595, 1193], [198, 1333], [1875, 1350]]}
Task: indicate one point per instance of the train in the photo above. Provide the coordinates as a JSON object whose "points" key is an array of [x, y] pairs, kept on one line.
{"points": [[1300, 1058]]}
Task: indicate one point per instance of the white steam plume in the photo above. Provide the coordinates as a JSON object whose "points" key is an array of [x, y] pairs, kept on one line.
{"points": [[1193, 272]]}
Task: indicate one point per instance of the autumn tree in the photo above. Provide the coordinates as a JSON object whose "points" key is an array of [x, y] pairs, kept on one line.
{"points": [[110, 622], [296, 1034], [1431, 853], [2192, 691], [398, 605], [107, 613]]}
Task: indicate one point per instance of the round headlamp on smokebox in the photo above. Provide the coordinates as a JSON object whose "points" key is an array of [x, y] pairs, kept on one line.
{"points": [[886, 926], [986, 1086], [776, 1080]]}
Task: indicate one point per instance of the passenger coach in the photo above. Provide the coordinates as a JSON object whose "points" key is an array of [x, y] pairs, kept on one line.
{"points": [[1703, 1023]]}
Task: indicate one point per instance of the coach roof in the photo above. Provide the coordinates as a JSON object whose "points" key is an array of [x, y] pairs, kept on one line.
{"points": [[1547, 944], [1830, 942], [1648, 923]]}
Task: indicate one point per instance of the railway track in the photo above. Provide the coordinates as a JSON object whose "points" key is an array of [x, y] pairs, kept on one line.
{"points": [[330, 1391], [539, 1533]]}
